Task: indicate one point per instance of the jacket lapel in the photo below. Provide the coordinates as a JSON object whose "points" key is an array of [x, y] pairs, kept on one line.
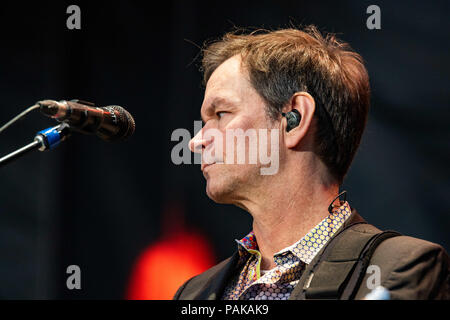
{"points": [[213, 289]]}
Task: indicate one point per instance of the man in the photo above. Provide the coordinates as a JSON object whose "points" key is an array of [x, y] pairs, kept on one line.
{"points": [[313, 92]]}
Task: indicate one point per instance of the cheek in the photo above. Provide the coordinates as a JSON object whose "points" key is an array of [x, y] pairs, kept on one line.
{"points": [[237, 126], [230, 150], [243, 122]]}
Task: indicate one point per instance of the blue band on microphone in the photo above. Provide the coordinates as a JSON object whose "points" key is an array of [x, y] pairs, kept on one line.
{"points": [[51, 136]]}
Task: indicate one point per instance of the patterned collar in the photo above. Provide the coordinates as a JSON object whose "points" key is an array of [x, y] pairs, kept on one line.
{"points": [[307, 247]]}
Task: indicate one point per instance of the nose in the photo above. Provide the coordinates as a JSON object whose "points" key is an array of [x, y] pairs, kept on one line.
{"points": [[199, 142]]}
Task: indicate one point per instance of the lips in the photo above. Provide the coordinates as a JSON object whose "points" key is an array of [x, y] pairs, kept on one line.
{"points": [[204, 165]]}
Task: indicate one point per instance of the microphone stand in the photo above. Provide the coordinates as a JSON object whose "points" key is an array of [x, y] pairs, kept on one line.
{"points": [[46, 139]]}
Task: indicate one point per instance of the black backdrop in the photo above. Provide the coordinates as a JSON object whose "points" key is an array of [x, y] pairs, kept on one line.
{"points": [[98, 205]]}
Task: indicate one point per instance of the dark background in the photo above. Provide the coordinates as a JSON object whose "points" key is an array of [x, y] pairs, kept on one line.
{"points": [[98, 205]]}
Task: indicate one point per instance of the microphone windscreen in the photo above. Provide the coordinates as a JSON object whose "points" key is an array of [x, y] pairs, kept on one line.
{"points": [[125, 122]]}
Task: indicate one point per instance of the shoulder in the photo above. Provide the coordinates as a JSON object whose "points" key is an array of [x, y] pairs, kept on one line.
{"points": [[410, 268], [406, 247], [192, 287]]}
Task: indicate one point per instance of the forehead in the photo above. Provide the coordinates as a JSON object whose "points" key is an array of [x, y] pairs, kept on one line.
{"points": [[226, 74], [228, 83]]}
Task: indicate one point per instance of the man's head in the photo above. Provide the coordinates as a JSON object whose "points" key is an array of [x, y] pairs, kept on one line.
{"points": [[250, 79]]}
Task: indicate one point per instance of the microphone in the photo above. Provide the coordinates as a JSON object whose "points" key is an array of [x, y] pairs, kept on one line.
{"points": [[110, 123]]}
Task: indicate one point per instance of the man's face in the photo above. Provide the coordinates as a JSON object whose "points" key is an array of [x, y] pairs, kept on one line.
{"points": [[230, 103]]}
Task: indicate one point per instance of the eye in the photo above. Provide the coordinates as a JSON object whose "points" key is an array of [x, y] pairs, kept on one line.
{"points": [[220, 114]]}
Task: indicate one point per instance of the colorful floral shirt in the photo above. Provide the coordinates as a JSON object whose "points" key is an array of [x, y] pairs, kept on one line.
{"points": [[277, 284]]}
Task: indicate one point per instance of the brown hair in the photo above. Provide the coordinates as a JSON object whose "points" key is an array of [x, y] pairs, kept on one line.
{"points": [[286, 61]]}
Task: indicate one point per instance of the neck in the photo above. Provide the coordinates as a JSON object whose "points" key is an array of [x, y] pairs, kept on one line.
{"points": [[289, 211]]}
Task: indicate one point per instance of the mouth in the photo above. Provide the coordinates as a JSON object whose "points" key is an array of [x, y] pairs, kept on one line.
{"points": [[205, 165]]}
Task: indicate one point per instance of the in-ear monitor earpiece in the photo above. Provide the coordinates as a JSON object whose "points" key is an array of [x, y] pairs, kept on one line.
{"points": [[293, 119]]}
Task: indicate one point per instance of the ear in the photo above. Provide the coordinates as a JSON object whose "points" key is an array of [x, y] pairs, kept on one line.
{"points": [[305, 104]]}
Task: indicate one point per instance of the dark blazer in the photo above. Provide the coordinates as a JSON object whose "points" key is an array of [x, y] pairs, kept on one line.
{"points": [[410, 268]]}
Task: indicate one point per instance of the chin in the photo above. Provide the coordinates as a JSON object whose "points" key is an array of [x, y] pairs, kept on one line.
{"points": [[222, 188], [219, 193], [225, 185]]}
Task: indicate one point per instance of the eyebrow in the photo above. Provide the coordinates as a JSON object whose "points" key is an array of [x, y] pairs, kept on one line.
{"points": [[213, 105]]}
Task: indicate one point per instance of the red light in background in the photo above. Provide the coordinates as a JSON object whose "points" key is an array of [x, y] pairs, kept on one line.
{"points": [[163, 267]]}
